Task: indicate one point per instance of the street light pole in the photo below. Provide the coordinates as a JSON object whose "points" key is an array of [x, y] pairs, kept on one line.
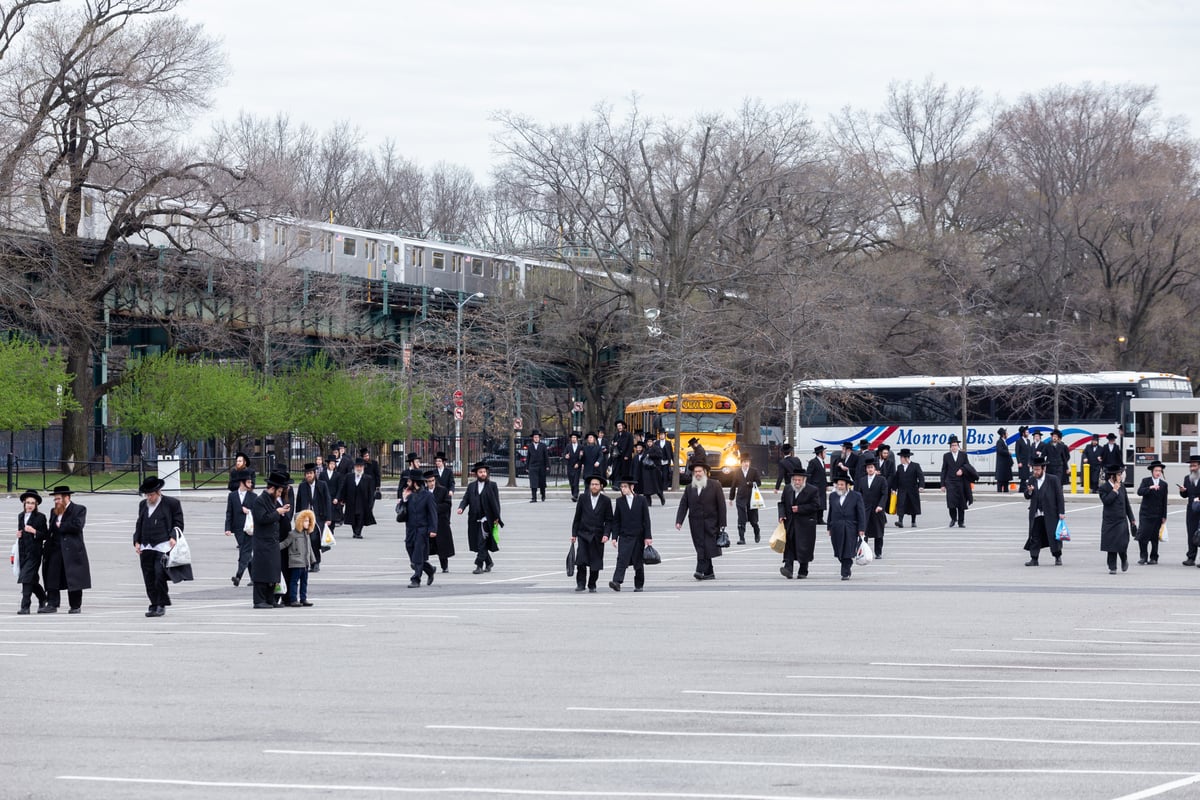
{"points": [[458, 352]]}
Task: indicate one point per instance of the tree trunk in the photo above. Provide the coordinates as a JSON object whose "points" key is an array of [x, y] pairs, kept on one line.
{"points": [[752, 413], [75, 423]]}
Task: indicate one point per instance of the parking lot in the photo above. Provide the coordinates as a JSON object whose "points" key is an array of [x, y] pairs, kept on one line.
{"points": [[946, 670]]}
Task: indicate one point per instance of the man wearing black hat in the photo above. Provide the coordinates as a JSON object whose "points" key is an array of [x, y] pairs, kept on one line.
{"points": [[630, 535], [741, 490], [482, 498], [799, 508], [65, 561], [787, 466], [590, 531], [1004, 462], [1093, 457], [698, 452], [1189, 490], [574, 458], [1111, 452], [605, 445], [371, 468], [847, 522], [443, 544], [593, 456], [272, 516], [419, 509], [313, 495], [241, 463], [357, 496], [860, 466], [445, 475], [345, 464], [622, 451], [1117, 518], [237, 507], [159, 522], [957, 474], [1152, 513], [703, 505], [1058, 457], [537, 461], [1046, 509], [843, 463], [667, 460], [910, 480], [819, 480], [31, 535], [1024, 452], [876, 494]]}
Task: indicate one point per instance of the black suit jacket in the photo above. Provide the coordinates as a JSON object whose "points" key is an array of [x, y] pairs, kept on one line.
{"points": [[1153, 510], [316, 499], [631, 522], [592, 523], [742, 487], [158, 528], [235, 517]]}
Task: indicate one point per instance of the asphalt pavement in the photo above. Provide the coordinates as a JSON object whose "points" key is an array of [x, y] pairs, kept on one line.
{"points": [[946, 670]]}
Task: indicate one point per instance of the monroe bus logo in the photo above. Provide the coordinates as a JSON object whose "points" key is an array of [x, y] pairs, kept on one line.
{"points": [[909, 436]]}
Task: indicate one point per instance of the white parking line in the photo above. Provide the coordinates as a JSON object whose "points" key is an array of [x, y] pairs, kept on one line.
{"points": [[1074, 653], [1110, 641], [844, 715], [1043, 668], [1050, 682], [1154, 791], [87, 644], [945, 698]]}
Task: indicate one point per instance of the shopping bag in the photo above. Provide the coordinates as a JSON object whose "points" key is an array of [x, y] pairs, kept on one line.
{"points": [[892, 502], [248, 525], [571, 560], [16, 559], [865, 554], [722, 539], [778, 541], [1162, 533], [756, 499], [1062, 532], [327, 539], [496, 532], [650, 555], [181, 554]]}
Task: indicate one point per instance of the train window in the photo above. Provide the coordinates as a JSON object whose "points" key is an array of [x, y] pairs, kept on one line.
{"points": [[395, 254], [88, 206], [506, 272], [254, 232], [439, 260], [417, 254], [456, 262], [349, 246], [476, 265], [304, 239]]}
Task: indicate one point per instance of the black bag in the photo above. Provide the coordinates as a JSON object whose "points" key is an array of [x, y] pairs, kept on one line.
{"points": [[722, 539], [571, 560], [651, 556], [401, 511]]}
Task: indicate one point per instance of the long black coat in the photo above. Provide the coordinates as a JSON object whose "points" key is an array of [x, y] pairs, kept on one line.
{"points": [[590, 527], [1024, 452], [1191, 493], [1114, 522], [482, 501], [801, 524], [270, 528], [1047, 499], [65, 562], [29, 546], [631, 522], [315, 498], [958, 490], [443, 543], [538, 463], [358, 501], [787, 467], [647, 472], [847, 518], [875, 496], [705, 513], [818, 479], [910, 480], [594, 461], [1058, 459], [1152, 512], [741, 488], [1004, 462]]}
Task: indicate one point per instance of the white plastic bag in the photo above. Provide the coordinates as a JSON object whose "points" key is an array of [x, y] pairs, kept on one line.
{"points": [[327, 539], [756, 499], [181, 554], [16, 559], [865, 554], [248, 525]]}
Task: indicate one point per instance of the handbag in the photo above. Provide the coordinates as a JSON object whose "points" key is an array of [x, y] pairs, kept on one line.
{"points": [[181, 554], [571, 560], [401, 511], [496, 532], [1162, 532], [722, 539], [651, 556], [1062, 532], [756, 499], [892, 501], [865, 554], [327, 540], [778, 540]]}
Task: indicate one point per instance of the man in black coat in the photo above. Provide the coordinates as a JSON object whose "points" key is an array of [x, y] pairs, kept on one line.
{"points": [[420, 515], [703, 505], [445, 475], [847, 522], [875, 493], [799, 509], [590, 531], [272, 516], [957, 474], [236, 511], [1093, 458], [574, 458], [594, 460], [819, 479], [741, 491], [787, 466], [910, 480], [1189, 490], [844, 463], [65, 563], [1058, 457], [1110, 454], [630, 535], [1004, 462], [668, 458], [357, 498], [313, 495], [605, 445], [159, 520], [441, 545], [537, 460], [1116, 521], [328, 474], [1152, 513], [1024, 455], [1046, 509], [860, 466], [622, 451], [482, 499], [31, 535], [371, 467]]}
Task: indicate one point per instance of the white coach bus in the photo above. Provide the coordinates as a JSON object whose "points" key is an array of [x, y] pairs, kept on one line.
{"points": [[921, 412]]}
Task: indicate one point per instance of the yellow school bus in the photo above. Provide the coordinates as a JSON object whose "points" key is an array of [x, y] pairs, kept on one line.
{"points": [[710, 418]]}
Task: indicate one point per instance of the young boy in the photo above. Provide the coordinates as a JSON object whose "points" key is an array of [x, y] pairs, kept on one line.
{"points": [[631, 535], [31, 532], [298, 557]]}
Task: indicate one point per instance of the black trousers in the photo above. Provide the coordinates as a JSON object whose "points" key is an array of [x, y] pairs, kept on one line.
{"points": [[1148, 542], [264, 593], [581, 576], [958, 515], [74, 598], [417, 545], [1112, 559], [314, 539], [1037, 534], [747, 514], [573, 476], [631, 550], [847, 563], [1192, 542], [154, 575], [704, 565], [483, 557], [245, 551], [28, 590]]}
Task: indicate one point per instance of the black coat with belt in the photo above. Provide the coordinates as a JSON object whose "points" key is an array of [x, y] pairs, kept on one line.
{"points": [[801, 523], [958, 490], [875, 494], [29, 546], [358, 500], [705, 513], [1004, 462], [1152, 512], [910, 480], [481, 499], [1048, 500], [590, 528], [156, 528], [65, 562], [270, 528], [1115, 519]]}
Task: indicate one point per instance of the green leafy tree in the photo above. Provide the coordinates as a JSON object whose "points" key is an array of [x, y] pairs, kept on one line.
{"points": [[34, 386]]}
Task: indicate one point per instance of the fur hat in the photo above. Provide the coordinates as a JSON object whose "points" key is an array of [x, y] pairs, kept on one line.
{"points": [[306, 521]]}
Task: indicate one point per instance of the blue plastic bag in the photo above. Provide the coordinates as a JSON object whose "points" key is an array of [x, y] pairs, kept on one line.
{"points": [[1062, 532]]}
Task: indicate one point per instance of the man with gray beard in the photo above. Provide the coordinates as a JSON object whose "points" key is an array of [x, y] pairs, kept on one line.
{"points": [[703, 504]]}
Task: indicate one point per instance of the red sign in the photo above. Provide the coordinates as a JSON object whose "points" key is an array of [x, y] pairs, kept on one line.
{"points": [[458, 413], [458, 397]]}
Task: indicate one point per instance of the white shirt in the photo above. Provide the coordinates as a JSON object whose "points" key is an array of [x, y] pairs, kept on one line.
{"points": [[595, 498], [629, 501]]}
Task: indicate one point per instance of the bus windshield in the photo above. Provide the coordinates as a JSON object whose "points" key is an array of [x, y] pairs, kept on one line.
{"points": [[699, 423]]}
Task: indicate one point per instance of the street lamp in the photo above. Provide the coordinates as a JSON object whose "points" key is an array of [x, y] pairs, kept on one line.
{"points": [[459, 305]]}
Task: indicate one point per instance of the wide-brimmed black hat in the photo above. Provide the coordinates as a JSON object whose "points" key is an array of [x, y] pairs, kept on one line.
{"points": [[153, 483], [1023, 429], [819, 449], [535, 433], [1114, 469], [905, 453], [595, 476], [848, 444], [577, 434], [481, 465], [849, 481], [884, 448], [310, 467], [1194, 459], [243, 475], [953, 439], [870, 462], [61, 490], [698, 463], [693, 441], [279, 479], [28, 493], [785, 448], [1038, 461], [1112, 437], [429, 473], [628, 479], [1095, 437], [589, 433], [1056, 432], [411, 457], [339, 444], [1002, 431], [360, 462], [241, 455], [439, 454], [1150, 467]]}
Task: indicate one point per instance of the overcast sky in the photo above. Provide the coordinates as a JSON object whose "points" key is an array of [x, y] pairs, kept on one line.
{"points": [[431, 74]]}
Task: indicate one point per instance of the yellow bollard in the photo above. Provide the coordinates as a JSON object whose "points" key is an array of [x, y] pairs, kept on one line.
{"points": [[1087, 478], [1074, 475]]}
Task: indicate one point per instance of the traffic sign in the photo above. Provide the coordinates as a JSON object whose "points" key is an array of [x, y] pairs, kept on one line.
{"points": [[577, 407], [516, 423], [458, 413], [458, 397]]}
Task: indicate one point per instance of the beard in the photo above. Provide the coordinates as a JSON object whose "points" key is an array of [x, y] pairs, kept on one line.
{"points": [[699, 483], [842, 492]]}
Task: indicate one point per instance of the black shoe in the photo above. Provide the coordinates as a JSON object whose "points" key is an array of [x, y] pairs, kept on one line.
{"points": [[306, 604], [1154, 561], [757, 537], [235, 580], [962, 525], [357, 536], [709, 577], [429, 577], [952, 524], [48, 609], [697, 576], [1058, 561], [785, 572], [1191, 562], [263, 605], [487, 567], [477, 571], [899, 524], [580, 588], [1141, 561], [1031, 562], [845, 577], [742, 540], [534, 500], [288, 603], [616, 587], [158, 612], [912, 524], [591, 588], [1112, 571], [1124, 566], [413, 584], [315, 568], [637, 589], [75, 611], [801, 575], [445, 570], [23, 611]]}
